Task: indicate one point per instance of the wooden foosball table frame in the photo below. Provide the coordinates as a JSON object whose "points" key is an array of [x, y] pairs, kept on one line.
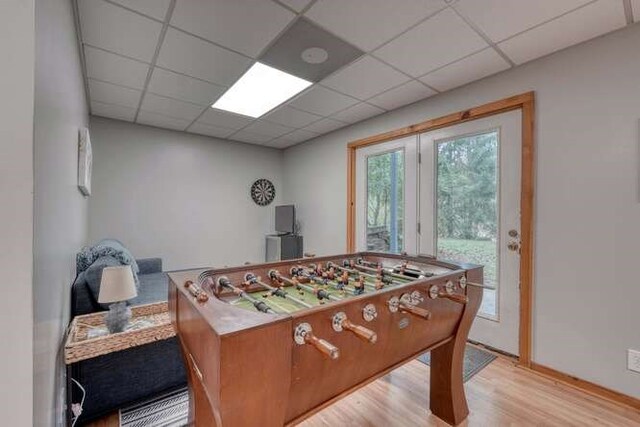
{"points": [[255, 368]]}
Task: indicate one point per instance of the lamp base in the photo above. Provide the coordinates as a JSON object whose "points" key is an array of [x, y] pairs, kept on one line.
{"points": [[118, 317]]}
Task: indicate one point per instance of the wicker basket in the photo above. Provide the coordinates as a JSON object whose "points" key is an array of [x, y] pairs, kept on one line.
{"points": [[156, 326]]}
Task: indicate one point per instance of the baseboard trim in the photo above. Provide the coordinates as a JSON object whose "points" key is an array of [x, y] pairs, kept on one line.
{"points": [[586, 386]]}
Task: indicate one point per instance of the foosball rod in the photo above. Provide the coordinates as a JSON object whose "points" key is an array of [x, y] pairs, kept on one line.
{"points": [[314, 268], [359, 273], [320, 293], [384, 272], [224, 282], [371, 265], [333, 283], [251, 278]]}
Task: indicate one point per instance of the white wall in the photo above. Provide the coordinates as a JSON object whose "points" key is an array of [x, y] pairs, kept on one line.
{"points": [[16, 210], [587, 198], [60, 211], [178, 196]]}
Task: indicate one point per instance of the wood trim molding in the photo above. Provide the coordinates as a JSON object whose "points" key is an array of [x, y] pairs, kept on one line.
{"points": [[586, 386], [524, 102]]}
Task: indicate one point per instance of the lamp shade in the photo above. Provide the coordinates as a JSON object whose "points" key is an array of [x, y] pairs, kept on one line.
{"points": [[117, 284]]}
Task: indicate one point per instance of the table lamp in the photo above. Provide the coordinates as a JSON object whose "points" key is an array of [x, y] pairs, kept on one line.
{"points": [[116, 287]]}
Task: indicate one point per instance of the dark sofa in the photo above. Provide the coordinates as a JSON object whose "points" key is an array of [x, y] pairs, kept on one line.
{"points": [[122, 378]]}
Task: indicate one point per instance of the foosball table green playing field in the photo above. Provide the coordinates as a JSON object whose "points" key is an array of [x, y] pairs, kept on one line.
{"points": [[271, 344]]}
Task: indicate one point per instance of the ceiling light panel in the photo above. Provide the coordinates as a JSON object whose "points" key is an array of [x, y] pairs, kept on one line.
{"points": [[259, 90]]}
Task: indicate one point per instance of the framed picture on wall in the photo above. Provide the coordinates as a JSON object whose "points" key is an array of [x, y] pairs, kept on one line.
{"points": [[85, 162]]}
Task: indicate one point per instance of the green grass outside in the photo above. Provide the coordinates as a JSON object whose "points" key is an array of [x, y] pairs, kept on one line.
{"points": [[483, 252]]}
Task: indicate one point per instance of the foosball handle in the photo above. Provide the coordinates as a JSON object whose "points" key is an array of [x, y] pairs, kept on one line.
{"points": [[325, 347], [415, 310], [364, 333], [196, 291], [460, 299]]}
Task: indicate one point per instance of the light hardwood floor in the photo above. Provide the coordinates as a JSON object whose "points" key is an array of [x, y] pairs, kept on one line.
{"points": [[499, 395]]}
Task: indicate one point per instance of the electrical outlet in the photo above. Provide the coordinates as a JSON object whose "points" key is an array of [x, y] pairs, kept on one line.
{"points": [[633, 360]]}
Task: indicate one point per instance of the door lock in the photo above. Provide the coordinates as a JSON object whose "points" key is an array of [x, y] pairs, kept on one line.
{"points": [[513, 233]]}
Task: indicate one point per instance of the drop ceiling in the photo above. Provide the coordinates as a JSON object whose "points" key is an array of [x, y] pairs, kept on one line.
{"points": [[164, 62]]}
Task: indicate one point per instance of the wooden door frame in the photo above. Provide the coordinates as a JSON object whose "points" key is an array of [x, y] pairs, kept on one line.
{"points": [[525, 103]]}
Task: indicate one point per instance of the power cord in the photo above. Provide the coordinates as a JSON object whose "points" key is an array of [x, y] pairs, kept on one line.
{"points": [[76, 408]]}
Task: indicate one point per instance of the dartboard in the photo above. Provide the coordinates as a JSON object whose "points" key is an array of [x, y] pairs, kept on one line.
{"points": [[263, 192]]}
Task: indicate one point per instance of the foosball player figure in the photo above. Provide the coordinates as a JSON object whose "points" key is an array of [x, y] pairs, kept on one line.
{"points": [[296, 284], [359, 285], [325, 278], [403, 266], [379, 283], [331, 273], [275, 278]]}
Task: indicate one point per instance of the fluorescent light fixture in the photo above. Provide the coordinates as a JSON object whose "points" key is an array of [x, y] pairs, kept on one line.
{"points": [[259, 90]]}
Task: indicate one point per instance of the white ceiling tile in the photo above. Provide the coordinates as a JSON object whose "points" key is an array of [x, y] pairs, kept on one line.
{"points": [[436, 42], [500, 19], [246, 26], [474, 67], [170, 107], [268, 129], [153, 8], [585, 23], [215, 131], [189, 55], [369, 23], [112, 111], [402, 95], [635, 8], [379, 77], [325, 125], [300, 135], [291, 117], [252, 138], [158, 120], [185, 88], [323, 101], [280, 143], [116, 69], [358, 112], [297, 5], [113, 94], [223, 119], [118, 30], [292, 138]]}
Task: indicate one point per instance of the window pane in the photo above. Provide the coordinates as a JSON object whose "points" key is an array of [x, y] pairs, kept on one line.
{"points": [[467, 197], [385, 202]]}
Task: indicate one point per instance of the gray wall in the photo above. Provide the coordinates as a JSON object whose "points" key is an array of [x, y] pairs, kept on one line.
{"points": [[60, 211], [179, 196], [587, 198], [16, 210]]}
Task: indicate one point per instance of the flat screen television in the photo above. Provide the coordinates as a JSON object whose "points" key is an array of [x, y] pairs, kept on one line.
{"points": [[286, 219]]}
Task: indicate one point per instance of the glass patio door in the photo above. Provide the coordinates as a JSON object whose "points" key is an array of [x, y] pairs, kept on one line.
{"points": [[386, 205], [470, 211]]}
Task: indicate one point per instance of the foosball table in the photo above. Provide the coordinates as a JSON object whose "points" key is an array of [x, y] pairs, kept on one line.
{"points": [[272, 344]]}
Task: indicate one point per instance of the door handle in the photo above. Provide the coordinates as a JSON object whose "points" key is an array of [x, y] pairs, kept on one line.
{"points": [[514, 246]]}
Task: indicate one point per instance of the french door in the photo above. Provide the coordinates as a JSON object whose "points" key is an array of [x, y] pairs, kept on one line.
{"points": [[386, 204], [469, 210], [454, 193]]}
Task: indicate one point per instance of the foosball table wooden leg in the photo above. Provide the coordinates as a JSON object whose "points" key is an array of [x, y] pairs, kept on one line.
{"points": [[447, 398]]}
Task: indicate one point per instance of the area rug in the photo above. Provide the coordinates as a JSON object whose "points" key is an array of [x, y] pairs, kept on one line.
{"points": [[169, 410], [474, 360]]}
